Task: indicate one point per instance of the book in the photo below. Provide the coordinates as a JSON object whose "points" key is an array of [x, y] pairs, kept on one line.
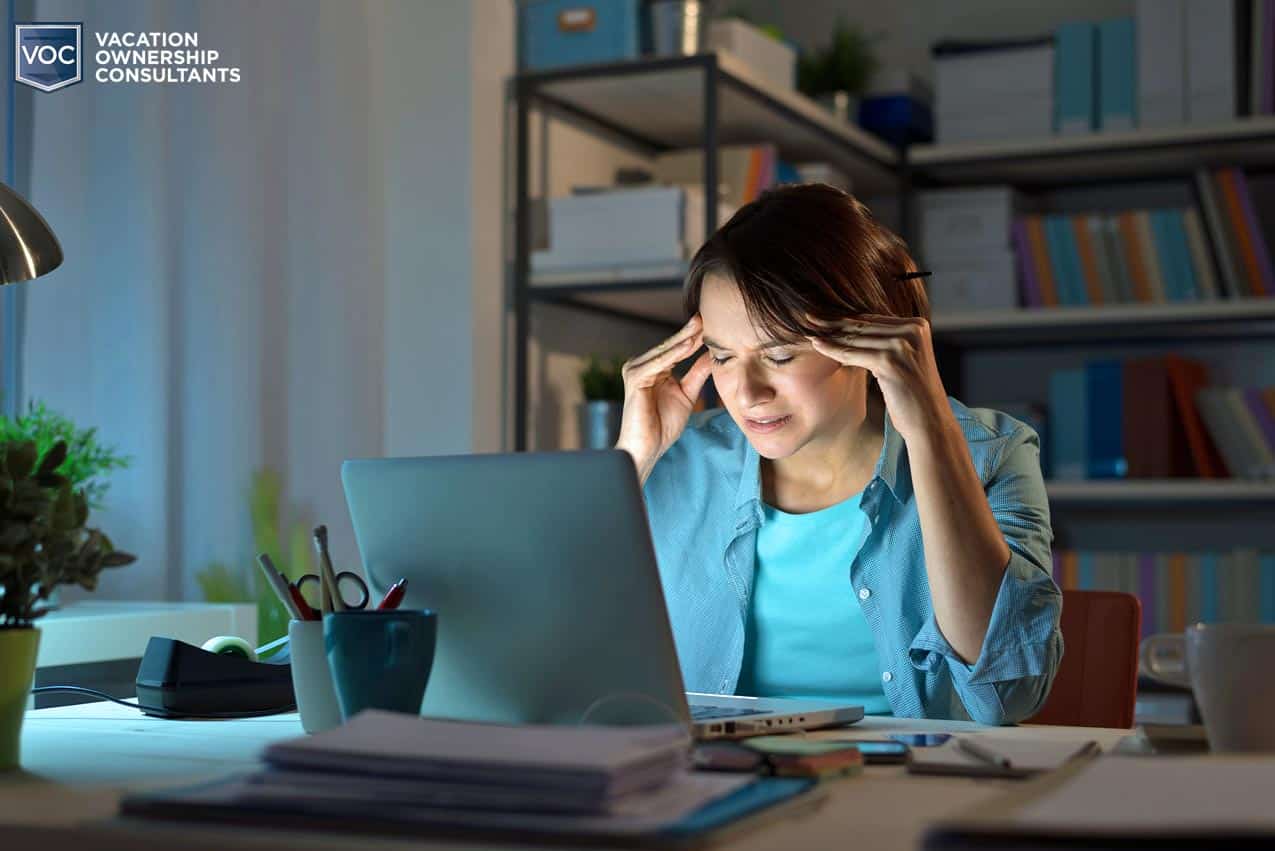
{"points": [[1087, 260], [1030, 292], [1257, 233], [1211, 86], [1222, 243], [1201, 260], [1039, 243], [1135, 256], [1117, 74], [1236, 444], [1151, 257], [1105, 414], [1246, 251], [1068, 423], [1075, 78], [1186, 377], [1161, 43]]}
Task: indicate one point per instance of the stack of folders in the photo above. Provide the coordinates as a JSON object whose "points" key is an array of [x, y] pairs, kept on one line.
{"points": [[388, 772]]}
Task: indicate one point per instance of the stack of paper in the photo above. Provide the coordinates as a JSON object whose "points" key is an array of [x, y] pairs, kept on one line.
{"points": [[391, 773], [453, 763]]}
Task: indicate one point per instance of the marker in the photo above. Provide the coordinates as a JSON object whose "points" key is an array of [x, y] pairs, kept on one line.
{"points": [[394, 596]]}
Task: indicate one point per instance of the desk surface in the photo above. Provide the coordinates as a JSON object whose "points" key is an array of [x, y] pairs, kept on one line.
{"points": [[78, 760]]}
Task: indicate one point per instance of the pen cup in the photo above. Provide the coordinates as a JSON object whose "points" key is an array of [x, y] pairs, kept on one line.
{"points": [[312, 678], [381, 659]]}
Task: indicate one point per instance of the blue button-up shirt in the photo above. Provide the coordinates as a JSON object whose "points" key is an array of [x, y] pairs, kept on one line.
{"points": [[703, 500]]}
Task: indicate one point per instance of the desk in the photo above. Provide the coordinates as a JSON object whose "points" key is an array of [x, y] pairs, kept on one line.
{"points": [[79, 759]]}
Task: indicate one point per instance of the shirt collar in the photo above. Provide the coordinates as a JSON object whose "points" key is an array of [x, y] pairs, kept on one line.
{"points": [[891, 469]]}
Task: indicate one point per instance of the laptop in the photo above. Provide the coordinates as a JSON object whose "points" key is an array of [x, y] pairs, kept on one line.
{"points": [[550, 608]]}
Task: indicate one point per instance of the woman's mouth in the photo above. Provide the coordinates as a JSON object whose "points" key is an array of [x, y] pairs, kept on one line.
{"points": [[767, 424]]}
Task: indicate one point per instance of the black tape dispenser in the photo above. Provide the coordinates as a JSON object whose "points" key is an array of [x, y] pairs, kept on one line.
{"points": [[179, 680]]}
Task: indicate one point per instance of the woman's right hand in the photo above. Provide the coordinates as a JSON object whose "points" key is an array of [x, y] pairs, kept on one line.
{"points": [[656, 404]]}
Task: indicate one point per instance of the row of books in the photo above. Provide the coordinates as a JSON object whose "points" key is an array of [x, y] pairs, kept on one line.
{"points": [[1220, 250], [1178, 589], [1156, 417], [1173, 62]]}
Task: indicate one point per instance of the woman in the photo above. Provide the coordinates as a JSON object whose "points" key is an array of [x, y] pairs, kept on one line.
{"points": [[842, 529]]}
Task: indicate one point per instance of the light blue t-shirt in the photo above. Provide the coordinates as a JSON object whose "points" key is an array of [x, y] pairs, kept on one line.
{"points": [[806, 635]]}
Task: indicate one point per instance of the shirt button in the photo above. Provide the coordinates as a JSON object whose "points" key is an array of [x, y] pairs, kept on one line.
{"points": [[886, 676], [864, 593]]}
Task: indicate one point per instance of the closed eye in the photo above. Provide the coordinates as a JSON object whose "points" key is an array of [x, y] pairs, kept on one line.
{"points": [[777, 361]]}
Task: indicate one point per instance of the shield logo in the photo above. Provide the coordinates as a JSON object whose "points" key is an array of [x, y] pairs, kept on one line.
{"points": [[47, 56]]}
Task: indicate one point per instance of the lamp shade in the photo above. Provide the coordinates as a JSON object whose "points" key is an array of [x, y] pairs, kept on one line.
{"points": [[28, 248]]}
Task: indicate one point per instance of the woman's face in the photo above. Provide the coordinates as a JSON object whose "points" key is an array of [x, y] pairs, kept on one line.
{"points": [[783, 396]]}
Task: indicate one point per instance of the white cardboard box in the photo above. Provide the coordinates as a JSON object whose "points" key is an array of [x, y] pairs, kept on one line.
{"points": [[962, 221], [771, 60], [976, 282], [624, 227]]}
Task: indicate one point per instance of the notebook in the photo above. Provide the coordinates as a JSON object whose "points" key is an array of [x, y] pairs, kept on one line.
{"points": [[1026, 758], [1169, 801], [596, 763]]}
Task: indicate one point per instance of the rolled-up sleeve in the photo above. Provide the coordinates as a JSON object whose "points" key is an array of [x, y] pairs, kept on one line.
{"points": [[1010, 679]]}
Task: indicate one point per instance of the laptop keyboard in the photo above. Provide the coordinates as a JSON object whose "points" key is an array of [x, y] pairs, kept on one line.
{"points": [[707, 712]]}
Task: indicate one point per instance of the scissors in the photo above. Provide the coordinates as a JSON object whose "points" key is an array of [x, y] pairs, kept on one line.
{"points": [[345, 576]]}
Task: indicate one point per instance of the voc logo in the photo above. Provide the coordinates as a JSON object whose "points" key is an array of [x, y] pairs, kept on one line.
{"points": [[47, 56]]}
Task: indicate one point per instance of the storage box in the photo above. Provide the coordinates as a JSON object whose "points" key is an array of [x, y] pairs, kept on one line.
{"points": [[977, 282], [956, 222], [770, 60], [623, 227], [554, 33]]}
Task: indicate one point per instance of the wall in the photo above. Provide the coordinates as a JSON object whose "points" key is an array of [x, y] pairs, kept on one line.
{"points": [[288, 272]]}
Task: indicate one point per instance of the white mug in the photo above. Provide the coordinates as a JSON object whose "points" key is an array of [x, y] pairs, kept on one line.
{"points": [[312, 678], [1229, 668]]}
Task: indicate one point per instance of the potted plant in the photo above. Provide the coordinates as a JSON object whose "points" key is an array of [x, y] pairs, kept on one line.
{"points": [[603, 384], [838, 75], [43, 544], [87, 461]]}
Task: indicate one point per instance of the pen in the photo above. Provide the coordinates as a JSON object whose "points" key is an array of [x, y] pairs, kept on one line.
{"points": [[394, 596], [279, 585], [986, 754], [331, 593]]}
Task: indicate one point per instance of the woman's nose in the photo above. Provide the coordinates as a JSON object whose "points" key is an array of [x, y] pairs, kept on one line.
{"points": [[753, 388]]}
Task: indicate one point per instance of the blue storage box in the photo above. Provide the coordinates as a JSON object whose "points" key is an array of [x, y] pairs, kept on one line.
{"points": [[554, 33], [898, 119]]}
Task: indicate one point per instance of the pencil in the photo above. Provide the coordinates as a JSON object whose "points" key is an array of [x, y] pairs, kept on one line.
{"points": [[279, 585], [331, 590]]}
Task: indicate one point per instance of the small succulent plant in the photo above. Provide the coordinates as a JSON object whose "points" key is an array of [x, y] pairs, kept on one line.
{"points": [[603, 380], [43, 540]]}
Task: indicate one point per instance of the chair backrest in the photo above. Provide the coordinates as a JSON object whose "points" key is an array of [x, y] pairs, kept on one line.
{"points": [[1097, 682]]}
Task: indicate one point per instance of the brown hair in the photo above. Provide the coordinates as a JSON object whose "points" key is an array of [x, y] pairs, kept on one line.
{"points": [[808, 250]]}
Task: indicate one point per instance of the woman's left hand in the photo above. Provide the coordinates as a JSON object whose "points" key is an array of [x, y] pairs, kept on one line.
{"points": [[899, 353]]}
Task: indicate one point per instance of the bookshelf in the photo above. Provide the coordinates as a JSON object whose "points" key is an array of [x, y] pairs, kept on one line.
{"points": [[708, 100], [1162, 492], [1124, 156]]}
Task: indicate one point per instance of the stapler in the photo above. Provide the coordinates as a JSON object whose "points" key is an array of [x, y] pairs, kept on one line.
{"points": [[177, 680]]}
